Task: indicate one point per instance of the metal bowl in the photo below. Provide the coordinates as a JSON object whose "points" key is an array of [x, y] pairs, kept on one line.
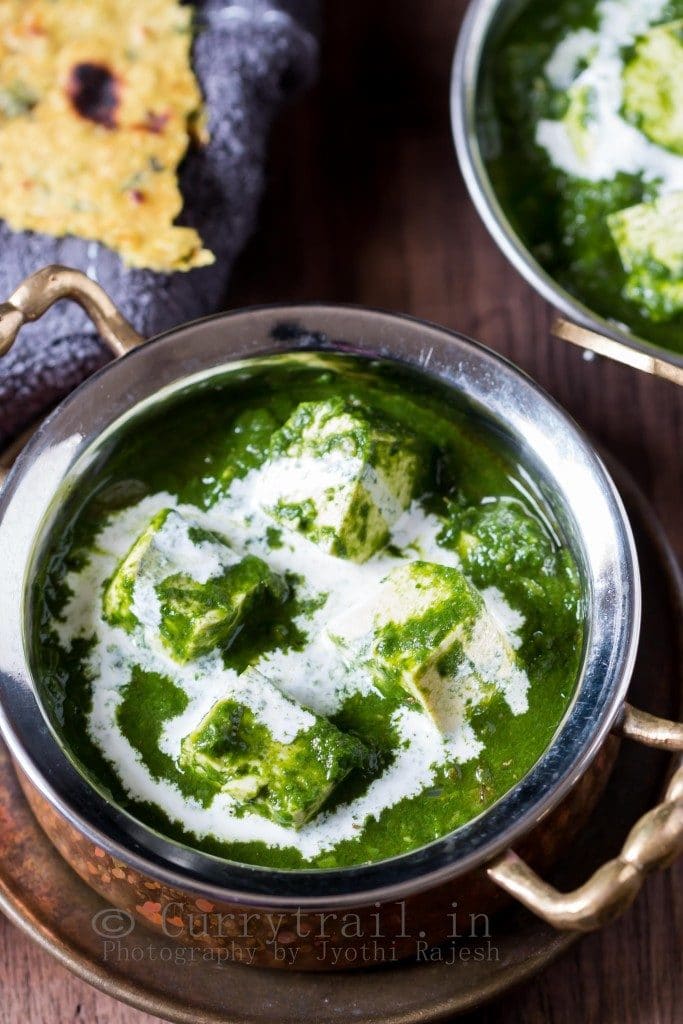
{"points": [[484, 24], [145, 872]]}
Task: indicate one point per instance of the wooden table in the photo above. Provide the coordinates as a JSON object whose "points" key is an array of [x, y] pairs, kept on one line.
{"points": [[365, 204]]}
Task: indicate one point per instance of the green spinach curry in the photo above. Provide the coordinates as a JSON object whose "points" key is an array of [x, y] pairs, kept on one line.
{"points": [[581, 123], [311, 615]]}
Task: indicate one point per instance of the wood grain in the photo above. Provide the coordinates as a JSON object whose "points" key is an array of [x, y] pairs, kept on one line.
{"points": [[365, 205]]}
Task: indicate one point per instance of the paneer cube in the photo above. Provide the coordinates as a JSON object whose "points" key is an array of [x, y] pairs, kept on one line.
{"points": [[653, 85], [579, 119], [649, 237], [234, 749], [427, 630], [185, 586], [342, 475], [145, 555], [197, 617]]}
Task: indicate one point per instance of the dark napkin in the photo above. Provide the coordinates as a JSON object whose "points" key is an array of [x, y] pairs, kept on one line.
{"points": [[249, 56]]}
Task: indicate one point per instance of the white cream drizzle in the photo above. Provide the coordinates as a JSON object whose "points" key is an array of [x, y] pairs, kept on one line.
{"points": [[615, 145], [313, 677]]}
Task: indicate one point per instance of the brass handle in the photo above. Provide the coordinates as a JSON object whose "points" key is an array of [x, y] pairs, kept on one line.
{"points": [[592, 341], [653, 843], [36, 294]]}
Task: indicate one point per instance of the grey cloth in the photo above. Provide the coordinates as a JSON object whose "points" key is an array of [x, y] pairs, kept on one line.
{"points": [[249, 56]]}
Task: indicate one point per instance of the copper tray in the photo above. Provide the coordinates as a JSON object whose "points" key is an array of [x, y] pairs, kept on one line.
{"points": [[41, 895]]}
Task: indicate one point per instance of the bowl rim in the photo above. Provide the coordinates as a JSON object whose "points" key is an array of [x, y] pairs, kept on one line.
{"points": [[465, 74], [437, 353]]}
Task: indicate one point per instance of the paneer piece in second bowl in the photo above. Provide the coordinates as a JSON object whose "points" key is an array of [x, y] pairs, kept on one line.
{"points": [[653, 85], [342, 474], [238, 747], [579, 121], [186, 587], [649, 237], [427, 630]]}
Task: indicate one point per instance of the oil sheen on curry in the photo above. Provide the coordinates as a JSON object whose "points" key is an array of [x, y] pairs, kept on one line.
{"points": [[311, 616]]}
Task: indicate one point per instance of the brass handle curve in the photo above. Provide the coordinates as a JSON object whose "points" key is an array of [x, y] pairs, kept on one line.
{"points": [[37, 293], [654, 842], [610, 348]]}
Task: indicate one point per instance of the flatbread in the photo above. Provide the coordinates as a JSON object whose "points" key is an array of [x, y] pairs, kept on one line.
{"points": [[98, 102]]}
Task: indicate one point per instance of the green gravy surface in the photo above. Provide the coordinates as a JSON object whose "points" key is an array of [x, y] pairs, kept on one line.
{"points": [[485, 517]]}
